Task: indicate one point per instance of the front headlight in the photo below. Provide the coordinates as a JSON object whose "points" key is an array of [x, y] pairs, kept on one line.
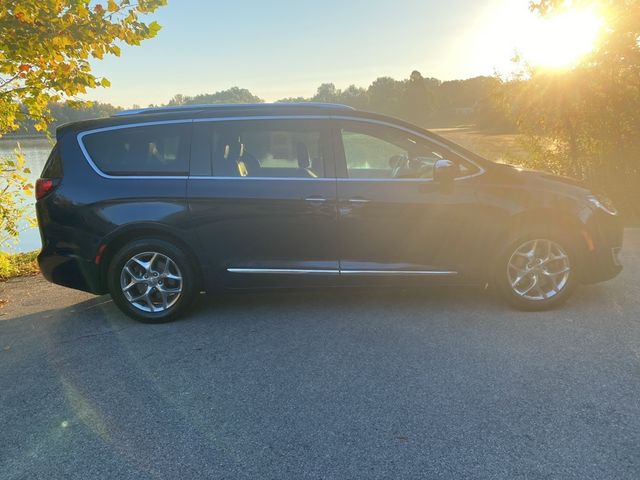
{"points": [[601, 202]]}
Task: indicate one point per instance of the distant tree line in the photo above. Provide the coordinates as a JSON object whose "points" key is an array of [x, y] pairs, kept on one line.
{"points": [[62, 113], [581, 123], [427, 102]]}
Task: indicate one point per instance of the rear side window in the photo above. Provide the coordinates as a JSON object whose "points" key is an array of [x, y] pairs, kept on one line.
{"points": [[53, 167], [274, 149], [146, 150]]}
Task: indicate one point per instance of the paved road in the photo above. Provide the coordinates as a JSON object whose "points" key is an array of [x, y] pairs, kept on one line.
{"points": [[443, 384]]}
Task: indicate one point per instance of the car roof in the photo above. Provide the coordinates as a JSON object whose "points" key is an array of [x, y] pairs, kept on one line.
{"points": [[216, 109], [187, 112]]}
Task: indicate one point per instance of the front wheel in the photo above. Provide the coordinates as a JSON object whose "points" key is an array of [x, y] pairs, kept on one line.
{"points": [[537, 272], [151, 281]]}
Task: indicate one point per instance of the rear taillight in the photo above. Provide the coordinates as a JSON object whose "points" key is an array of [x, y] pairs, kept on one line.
{"points": [[44, 186]]}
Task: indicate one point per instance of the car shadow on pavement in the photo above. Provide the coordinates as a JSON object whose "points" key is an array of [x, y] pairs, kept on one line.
{"points": [[221, 306]]}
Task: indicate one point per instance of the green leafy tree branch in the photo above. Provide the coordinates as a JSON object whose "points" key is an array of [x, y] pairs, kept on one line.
{"points": [[46, 47]]}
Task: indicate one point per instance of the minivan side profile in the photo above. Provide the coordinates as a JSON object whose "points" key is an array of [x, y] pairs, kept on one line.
{"points": [[156, 205]]}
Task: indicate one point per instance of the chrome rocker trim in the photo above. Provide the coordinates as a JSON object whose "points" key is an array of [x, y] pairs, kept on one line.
{"points": [[296, 271]]}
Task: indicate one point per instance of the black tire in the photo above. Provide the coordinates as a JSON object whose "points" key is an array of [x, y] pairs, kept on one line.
{"points": [[185, 270], [501, 273]]}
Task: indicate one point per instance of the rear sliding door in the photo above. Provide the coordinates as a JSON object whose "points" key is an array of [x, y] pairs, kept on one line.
{"points": [[262, 195]]}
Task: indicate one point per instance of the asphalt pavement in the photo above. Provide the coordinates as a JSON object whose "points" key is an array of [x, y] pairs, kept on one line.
{"points": [[346, 384]]}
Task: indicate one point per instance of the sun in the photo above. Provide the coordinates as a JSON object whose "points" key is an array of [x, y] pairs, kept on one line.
{"points": [[554, 43], [560, 42]]}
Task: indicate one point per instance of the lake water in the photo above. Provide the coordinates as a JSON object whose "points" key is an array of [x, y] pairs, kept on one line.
{"points": [[36, 152]]}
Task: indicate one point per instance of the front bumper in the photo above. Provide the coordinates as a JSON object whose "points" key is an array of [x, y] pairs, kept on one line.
{"points": [[602, 258]]}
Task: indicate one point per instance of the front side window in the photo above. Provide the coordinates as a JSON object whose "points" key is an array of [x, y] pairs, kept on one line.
{"points": [[146, 150], [274, 148], [375, 152]]}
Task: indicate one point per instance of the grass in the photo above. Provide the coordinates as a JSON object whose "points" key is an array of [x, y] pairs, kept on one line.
{"points": [[18, 265]]}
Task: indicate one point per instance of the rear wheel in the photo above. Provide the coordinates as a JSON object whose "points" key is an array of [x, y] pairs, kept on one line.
{"points": [[151, 280], [537, 271]]}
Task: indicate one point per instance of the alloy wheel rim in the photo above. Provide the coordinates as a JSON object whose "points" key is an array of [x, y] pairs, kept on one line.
{"points": [[151, 282], [538, 270]]}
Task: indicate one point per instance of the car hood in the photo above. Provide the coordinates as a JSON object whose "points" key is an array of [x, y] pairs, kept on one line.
{"points": [[535, 176]]}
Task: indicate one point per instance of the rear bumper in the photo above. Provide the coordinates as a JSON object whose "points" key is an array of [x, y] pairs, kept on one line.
{"points": [[61, 259], [70, 271]]}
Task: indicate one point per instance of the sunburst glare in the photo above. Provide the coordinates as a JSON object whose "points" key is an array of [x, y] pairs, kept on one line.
{"points": [[562, 41]]}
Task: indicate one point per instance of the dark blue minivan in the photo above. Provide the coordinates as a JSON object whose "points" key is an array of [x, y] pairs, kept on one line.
{"points": [[157, 205]]}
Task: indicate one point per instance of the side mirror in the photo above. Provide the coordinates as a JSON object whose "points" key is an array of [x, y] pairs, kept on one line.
{"points": [[445, 171]]}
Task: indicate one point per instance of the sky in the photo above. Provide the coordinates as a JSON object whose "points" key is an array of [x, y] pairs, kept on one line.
{"points": [[287, 48]]}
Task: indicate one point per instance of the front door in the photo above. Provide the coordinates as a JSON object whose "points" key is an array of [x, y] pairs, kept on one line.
{"points": [[263, 200], [394, 219]]}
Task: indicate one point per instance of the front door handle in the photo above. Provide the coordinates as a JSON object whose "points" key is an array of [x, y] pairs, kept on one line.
{"points": [[315, 199], [358, 200]]}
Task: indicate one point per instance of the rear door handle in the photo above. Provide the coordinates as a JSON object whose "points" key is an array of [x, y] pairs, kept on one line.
{"points": [[358, 200]]}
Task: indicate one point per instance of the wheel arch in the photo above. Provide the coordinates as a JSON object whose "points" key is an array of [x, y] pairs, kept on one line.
{"points": [[546, 218], [126, 234], [525, 222]]}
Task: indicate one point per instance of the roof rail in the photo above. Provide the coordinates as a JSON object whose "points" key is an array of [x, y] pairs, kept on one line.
{"points": [[232, 106]]}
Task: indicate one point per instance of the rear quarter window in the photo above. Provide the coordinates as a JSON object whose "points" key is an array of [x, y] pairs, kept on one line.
{"points": [[144, 150]]}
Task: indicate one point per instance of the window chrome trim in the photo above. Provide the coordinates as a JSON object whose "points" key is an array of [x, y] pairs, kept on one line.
{"points": [[298, 271], [354, 119], [95, 168]]}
